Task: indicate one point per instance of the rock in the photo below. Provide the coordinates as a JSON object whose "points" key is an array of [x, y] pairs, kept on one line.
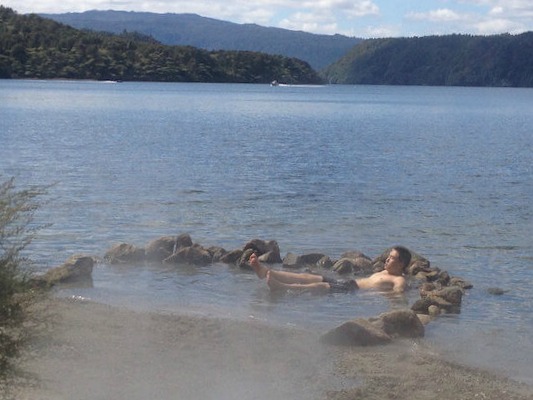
{"points": [[124, 253], [161, 248], [434, 311], [77, 268], [358, 266], [195, 255], [427, 287], [262, 247], [358, 332], [417, 266], [231, 257], [354, 254], [243, 259], [400, 323], [271, 257], [424, 319], [443, 278], [496, 291], [183, 240], [455, 281], [216, 253], [362, 266], [451, 294], [344, 266], [422, 306], [325, 262], [309, 260], [378, 266], [291, 260], [374, 331], [428, 274]]}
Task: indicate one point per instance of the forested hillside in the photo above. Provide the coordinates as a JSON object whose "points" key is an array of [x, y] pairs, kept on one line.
{"points": [[210, 34], [35, 47], [453, 60]]}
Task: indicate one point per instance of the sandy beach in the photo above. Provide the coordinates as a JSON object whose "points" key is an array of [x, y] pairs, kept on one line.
{"points": [[92, 351]]}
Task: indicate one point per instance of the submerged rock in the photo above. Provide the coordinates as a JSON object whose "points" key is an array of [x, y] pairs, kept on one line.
{"points": [[496, 291]]}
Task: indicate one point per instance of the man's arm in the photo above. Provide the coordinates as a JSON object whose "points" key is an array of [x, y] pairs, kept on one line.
{"points": [[399, 284]]}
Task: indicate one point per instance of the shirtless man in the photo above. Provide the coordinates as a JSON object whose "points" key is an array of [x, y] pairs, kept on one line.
{"points": [[391, 278]]}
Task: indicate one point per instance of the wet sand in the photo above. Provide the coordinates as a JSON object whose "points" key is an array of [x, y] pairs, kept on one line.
{"points": [[93, 351]]}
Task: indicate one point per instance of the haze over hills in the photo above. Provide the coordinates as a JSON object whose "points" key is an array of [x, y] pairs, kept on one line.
{"points": [[211, 34]]}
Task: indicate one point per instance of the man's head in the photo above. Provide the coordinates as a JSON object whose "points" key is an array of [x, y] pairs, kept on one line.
{"points": [[398, 259]]}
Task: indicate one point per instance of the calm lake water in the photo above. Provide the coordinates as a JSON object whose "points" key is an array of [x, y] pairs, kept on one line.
{"points": [[445, 171]]}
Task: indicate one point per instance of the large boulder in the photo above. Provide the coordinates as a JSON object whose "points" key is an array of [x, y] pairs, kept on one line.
{"points": [[358, 265], [124, 253], [344, 266], [375, 331], [400, 323], [452, 294], [447, 299], [77, 268], [160, 248], [195, 255], [357, 332]]}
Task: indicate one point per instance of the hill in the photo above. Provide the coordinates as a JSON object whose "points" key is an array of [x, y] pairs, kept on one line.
{"points": [[36, 47], [452, 60], [211, 34]]}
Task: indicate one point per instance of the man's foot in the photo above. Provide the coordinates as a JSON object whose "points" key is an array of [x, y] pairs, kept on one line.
{"points": [[260, 270]]}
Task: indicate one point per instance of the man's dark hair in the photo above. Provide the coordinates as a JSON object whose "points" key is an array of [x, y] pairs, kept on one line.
{"points": [[404, 255]]}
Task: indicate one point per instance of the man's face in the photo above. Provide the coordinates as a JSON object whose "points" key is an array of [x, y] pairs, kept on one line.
{"points": [[393, 265]]}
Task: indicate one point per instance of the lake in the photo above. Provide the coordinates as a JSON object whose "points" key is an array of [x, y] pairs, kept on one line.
{"points": [[445, 171]]}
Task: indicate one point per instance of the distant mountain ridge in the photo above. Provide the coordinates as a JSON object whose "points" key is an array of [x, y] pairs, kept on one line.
{"points": [[211, 34], [39, 48], [452, 60]]}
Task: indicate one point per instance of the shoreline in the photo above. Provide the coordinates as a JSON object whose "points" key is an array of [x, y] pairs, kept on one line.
{"points": [[93, 351]]}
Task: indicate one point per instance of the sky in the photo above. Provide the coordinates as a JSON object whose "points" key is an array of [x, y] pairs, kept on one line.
{"points": [[358, 18]]}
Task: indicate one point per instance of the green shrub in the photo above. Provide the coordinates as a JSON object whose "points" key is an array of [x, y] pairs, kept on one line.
{"points": [[17, 229]]}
